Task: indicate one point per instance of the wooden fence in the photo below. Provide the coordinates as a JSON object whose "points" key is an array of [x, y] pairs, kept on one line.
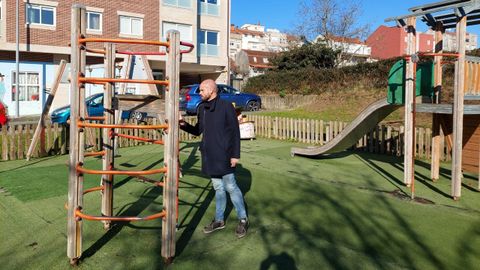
{"points": [[15, 139], [384, 139]]}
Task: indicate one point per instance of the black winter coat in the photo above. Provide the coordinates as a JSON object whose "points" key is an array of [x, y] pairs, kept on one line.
{"points": [[218, 123]]}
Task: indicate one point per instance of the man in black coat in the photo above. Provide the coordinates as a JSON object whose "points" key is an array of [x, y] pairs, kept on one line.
{"points": [[220, 148]]}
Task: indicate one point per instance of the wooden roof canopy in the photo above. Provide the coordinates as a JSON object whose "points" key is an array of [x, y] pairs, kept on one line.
{"points": [[445, 12]]}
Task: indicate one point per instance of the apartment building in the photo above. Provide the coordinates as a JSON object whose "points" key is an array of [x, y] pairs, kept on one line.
{"points": [[387, 42], [256, 37], [353, 50], [45, 34]]}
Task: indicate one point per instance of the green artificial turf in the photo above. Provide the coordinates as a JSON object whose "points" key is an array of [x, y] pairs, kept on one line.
{"points": [[346, 211]]}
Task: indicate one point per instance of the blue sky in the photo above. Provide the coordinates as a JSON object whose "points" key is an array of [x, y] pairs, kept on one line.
{"points": [[283, 14]]}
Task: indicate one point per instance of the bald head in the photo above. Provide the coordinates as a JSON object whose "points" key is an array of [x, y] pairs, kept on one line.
{"points": [[208, 90]]}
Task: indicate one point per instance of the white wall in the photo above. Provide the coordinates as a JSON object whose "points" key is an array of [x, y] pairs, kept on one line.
{"points": [[46, 73]]}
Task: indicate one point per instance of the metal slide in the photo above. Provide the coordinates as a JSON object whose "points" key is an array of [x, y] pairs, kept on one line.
{"points": [[364, 123]]}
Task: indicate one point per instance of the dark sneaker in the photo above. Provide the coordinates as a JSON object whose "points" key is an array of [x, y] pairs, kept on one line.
{"points": [[242, 228], [214, 226]]}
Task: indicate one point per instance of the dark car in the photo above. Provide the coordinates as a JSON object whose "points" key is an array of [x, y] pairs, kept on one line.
{"points": [[94, 105], [190, 98]]}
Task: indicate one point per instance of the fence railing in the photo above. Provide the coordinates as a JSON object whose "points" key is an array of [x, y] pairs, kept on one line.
{"points": [[383, 139], [16, 138]]}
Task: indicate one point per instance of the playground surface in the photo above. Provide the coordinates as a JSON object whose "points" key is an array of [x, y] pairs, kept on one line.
{"points": [[348, 211]]}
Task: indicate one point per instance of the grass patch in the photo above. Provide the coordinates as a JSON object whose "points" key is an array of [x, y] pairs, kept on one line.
{"points": [[338, 212]]}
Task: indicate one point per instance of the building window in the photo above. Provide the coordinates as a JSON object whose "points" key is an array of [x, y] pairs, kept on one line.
{"points": [[210, 7], [94, 21], [184, 29], [29, 86], [208, 41], [178, 3], [131, 26], [41, 15], [254, 59], [265, 60]]}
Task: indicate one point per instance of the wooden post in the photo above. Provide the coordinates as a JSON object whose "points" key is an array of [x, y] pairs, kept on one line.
{"points": [[118, 113], [108, 138], [77, 109], [170, 188], [409, 100], [458, 110], [435, 163], [41, 122]]}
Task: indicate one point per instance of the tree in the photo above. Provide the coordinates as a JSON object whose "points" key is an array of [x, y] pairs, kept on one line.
{"points": [[326, 20], [314, 55]]}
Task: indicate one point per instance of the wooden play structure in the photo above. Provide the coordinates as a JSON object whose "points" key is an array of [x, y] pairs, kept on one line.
{"points": [[459, 122], [167, 107]]}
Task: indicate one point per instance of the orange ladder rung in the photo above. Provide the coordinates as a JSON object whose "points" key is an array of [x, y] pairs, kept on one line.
{"points": [[78, 213], [81, 169]]}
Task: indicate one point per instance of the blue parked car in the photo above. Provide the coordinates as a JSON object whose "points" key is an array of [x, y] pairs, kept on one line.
{"points": [[94, 105], [190, 98]]}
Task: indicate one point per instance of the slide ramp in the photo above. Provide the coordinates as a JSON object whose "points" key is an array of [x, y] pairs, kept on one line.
{"points": [[349, 136]]}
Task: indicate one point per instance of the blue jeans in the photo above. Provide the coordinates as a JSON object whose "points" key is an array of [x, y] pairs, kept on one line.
{"points": [[229, 184]]}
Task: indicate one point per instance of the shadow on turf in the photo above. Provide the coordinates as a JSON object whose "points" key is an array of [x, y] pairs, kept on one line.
{"points": [[134, 209], [335, 229], [199, 207]]}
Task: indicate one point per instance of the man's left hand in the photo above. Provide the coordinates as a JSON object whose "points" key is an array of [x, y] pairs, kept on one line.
{"points": [[234, 162]]}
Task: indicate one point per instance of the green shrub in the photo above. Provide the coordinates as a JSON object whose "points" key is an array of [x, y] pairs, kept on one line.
{"points": [[310, 80]]}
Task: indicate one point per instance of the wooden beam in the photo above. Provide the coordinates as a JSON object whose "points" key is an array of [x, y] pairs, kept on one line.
{"points": [[40, 130], [170, 190], [108, 139], [77, 139], [144, 103], [458, 106], [118, 112], [148, 71], [435, 163], [409, 153]]}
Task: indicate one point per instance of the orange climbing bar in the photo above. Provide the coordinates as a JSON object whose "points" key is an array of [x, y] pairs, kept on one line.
{"points": [[124, 41], [138, 138], [78, 213], [93, 125], [94, 80], [81, 169], [94, 154], [85, 192], [439, 54], [141, 53], [434, 54], [95, 118], [187, 44], [93, 189], [144, 179], [100, 51]]}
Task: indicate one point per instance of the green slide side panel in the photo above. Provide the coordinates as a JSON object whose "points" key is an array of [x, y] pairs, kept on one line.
{"points": [[396, 81]]}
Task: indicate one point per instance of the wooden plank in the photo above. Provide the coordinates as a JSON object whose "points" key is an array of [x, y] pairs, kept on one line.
{"points": [[421, 143], [77, 99], [41, 122], [107, 140], [409, 135], [12, 142], [458, 106], [5, 143], [322, 132], [20, 143], [170, 190], [127, 63], [148, 72]]}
